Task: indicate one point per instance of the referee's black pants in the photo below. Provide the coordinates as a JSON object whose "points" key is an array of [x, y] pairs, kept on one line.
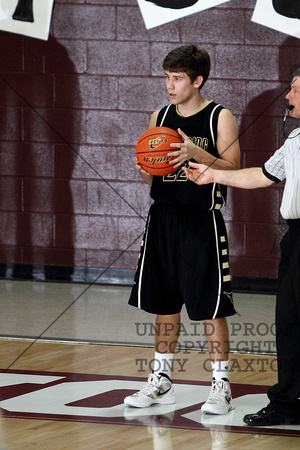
{"points": [[284, 395]]}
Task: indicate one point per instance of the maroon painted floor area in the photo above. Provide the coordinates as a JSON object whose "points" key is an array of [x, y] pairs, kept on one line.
{"points": [[99, 399]]}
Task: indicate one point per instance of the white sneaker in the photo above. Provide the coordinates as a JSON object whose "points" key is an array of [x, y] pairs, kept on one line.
{"points": [[219, 400], [159, 389]]}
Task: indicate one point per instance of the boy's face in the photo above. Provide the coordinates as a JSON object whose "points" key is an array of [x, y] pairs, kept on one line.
{"points": [[180, 87], [293, 97]]}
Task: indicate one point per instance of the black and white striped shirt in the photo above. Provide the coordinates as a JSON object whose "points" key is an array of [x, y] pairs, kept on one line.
{"points": [[285, 164]]}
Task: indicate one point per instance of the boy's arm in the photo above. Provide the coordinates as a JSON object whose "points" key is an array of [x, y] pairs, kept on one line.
{"points": [[227, 142], [227, 146], [250, 178]]}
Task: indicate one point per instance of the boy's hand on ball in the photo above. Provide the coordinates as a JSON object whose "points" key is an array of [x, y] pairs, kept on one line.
{"points": [[137, 165], [187, 150]]}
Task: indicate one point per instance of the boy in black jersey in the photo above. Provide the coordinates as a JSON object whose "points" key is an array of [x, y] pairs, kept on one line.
{"points": [[184, 254]]}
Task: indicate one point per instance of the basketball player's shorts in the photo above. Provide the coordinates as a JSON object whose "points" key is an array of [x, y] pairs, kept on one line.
{"points": [[184, 260]]}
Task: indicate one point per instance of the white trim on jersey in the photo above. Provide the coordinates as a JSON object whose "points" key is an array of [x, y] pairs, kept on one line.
{"points": [[214, 143], [213, 196], [164, 116], [211, 124]]}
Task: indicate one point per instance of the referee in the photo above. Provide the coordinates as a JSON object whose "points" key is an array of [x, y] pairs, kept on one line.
{"points": [[284, 406]]}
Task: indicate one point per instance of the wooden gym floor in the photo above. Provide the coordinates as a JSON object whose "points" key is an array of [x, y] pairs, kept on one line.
{"points": [[64, 393]]}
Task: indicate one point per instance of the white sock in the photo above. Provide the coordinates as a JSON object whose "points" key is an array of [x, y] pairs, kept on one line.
{"points": [[163, 362], [220, 369]]}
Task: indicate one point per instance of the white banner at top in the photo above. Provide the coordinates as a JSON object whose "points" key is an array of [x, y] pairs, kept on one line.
{"points": [[27, 17], [265, 14], [159, 12]]}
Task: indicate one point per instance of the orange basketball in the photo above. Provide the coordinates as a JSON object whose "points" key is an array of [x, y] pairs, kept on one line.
{"points": [[153, 147]]}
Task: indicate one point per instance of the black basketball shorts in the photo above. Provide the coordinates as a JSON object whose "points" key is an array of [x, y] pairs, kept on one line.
{"points": [[184, 260]]}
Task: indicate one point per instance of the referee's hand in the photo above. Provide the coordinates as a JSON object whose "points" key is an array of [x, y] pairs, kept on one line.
{"points": [[199, 173]]}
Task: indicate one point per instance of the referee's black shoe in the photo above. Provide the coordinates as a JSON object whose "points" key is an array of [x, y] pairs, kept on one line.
{"points": [[268, 416]]}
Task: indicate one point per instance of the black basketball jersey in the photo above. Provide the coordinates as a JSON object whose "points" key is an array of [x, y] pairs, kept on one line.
{"points": [[176, 190]]}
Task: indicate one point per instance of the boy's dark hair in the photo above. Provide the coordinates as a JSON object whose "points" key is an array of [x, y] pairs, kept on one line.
{"points": [[296, 73], [189, 59]]}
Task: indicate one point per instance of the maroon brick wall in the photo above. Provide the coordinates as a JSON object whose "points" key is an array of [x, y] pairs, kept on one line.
{"points": [[72, 109]]}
